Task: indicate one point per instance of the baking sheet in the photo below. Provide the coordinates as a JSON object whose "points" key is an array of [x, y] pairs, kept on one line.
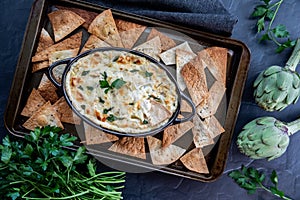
{"points": [[238, 61]]}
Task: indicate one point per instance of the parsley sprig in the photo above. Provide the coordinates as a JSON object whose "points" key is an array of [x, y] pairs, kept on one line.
{"points": [[251, 179], [117, 84], [41, 167], [266, 14]]}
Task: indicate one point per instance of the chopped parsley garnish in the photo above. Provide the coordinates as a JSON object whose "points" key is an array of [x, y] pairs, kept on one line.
{"points": [[148, 74], [131, 103], [105, 111], [134, 70], [84, 73], [90, 88], [118, 83], [83, 107], [145, 122], [101, 100], [80, 87], [112, 118]]}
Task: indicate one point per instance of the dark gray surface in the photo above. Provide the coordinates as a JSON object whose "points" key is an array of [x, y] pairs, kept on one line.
{"points": [[13, 19]]}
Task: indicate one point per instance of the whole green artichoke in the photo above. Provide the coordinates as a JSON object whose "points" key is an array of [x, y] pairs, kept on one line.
{"points": [[277, 87], [266, 137]]}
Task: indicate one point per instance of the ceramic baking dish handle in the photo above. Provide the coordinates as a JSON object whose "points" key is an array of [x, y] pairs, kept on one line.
{"points": [[51, 68], [191, 114]]}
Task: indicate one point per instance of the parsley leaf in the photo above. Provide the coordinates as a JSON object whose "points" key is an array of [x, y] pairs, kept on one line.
{"points": [[251, 179], [266, 14], [118, 83]]}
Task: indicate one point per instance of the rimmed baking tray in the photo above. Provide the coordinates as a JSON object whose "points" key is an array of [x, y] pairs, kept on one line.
{"points": [[24, 81]]}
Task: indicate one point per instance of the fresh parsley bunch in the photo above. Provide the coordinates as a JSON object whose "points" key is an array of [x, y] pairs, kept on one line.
{"points": [[251, 179], [41, 167], [266, 14]]}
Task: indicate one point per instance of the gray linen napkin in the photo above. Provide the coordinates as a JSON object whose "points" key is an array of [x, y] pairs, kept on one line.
{"points": [[205, 15]]}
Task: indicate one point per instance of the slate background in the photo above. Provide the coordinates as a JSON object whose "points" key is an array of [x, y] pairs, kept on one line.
{"points": [[153, 185]]}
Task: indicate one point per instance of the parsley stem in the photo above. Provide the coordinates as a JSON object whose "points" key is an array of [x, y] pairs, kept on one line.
{"points": [[278, 4], [268, 190]]}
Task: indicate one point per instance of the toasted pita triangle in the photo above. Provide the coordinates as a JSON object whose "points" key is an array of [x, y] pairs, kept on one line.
{"points": [[201, 135], [123, 25], [65, 113], [166, 42], [64, 22], [169, 56], [151, 47], [185, 107], [132, 146], [158, 113], [96, 136], [39, 65], [215, 58], [45, 41], [194, 160], [130, 37], [104, 27], [44, 116], [174, 132], [34, 102], [163, 156], [213, 125], [215, 95], [47, 89], [94, 42], [88, 16], [72, 42], [182, 57], [195, 80]]}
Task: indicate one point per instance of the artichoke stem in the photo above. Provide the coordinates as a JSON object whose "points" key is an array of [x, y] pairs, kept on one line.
{"points": [[295, 57], [294, 126]]}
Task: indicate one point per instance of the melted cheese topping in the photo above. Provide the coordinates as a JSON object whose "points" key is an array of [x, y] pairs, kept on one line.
{"points": [[115, 89]]}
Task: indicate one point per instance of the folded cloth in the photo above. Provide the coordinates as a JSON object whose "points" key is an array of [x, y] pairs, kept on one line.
{"points": [[205, 15]]}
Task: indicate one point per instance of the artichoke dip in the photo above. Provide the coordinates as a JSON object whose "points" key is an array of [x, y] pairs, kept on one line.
{"points": [[121, 91]]}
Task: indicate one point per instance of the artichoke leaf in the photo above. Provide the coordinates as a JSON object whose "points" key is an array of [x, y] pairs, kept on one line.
{"points": [[280, 106], [259, 90], [279, 96], [269, 83], [272, 69], [259, 78], [296, 80], [265, 121], [292, 95], [284, 80]]}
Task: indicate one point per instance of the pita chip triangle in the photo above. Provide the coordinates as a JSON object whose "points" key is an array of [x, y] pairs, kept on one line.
{"points": [[182, 57], [72, 42], [166, 42], [104, 27], [131, 146], [163, 156], [96, 136], [174, 132], [34, 102], [130, 36], [64, 22], [169, 56], [194, 160], [65, 113], [151, 47], [94, 42], [45, 115]]}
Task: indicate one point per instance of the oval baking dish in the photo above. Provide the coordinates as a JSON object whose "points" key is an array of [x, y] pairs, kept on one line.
{"points": [[121, 91]]}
